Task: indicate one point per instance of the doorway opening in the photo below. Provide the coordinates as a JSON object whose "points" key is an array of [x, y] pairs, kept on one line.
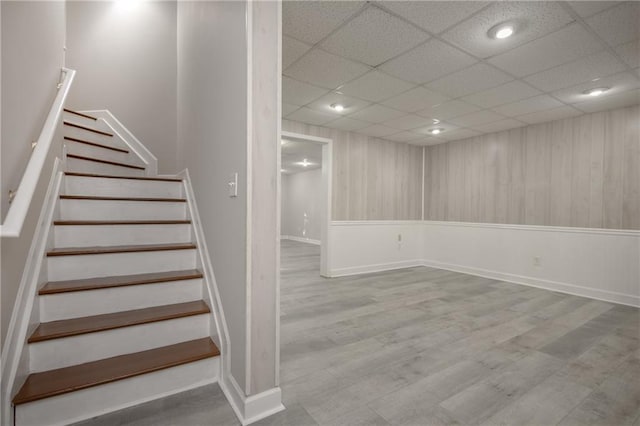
{"points": [[305, 210]]}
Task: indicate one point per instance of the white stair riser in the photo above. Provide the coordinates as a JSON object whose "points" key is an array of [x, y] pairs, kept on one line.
{"points": [[103, 265], [60, 306], [85, 150], [74, 132], [84, 166], [79, 185], [97, 400], [120, 235], [68, 351], [71, 209]]}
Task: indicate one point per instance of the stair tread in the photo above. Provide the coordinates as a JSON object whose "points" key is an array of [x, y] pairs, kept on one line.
{"points": [[92, 175], [81, 114], [92, 324], [54, 287], [99, 160], [67, 251], [109, 198], [121, 222], [99, 145], [80, 126], [64, 380]]}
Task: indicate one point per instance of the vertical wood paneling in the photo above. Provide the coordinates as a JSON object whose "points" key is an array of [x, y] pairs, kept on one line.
{"points": [[373, 179], [582, 172]]}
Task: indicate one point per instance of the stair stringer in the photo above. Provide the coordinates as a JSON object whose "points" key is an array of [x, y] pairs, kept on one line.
{"points": [[121, 132], [24, 318]]}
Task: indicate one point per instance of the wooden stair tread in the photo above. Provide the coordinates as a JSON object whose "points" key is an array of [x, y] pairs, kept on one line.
{"points": [[64, 380], [70, 251], [103, 198], [99, 145], [80, 114], [80, 126], [55, 287], [99, 160], [92, 175], [120, 222], [92, 324]]}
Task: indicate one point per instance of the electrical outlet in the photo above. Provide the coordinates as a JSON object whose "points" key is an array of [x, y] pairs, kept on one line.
{"points": [[536, 261]]}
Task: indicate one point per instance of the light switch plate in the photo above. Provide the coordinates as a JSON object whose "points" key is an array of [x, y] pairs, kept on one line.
{"points": [[233, 185]]}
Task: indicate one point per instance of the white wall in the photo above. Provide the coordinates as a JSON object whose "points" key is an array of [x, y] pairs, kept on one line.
{"points": [[597, 263], [126, 57], [302, 204], [212, 135], [28, 89]]}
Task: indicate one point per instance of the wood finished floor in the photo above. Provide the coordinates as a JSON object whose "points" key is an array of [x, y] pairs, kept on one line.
{"points": [[422, 346]]}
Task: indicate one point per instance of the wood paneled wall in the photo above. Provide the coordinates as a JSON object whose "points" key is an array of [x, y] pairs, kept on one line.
{"points": [[578, 172], [373, 179]]}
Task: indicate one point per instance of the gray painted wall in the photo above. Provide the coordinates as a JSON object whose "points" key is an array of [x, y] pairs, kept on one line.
{"points": [[28, 89], [126, 57], [212, 135], [302, 204]]}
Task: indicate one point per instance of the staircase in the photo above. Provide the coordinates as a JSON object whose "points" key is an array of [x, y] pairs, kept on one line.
{"points": [[120, 317]]}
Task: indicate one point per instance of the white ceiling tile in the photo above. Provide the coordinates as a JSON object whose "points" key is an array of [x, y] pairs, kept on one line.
{"points": [[348, 124], [288, 108], [554, 49], [618, 83], [588, 8], [470, 80], [292, 50], [373, 37], [311, 116], [428, 62], [448, 110], [325, 69], [459, 134], [475, 118], [526, 106], [434, 16], [531, 19], [618, 100], [350, 104], [498, 126], [408, 122], [377, 114], [584, 69], [298, 93], [415, 99], [619, 24], [630, 53], [404, 137], [637, 71], [378, 131], [375, 86], [549, 115], [510, 92], [311, 21]]}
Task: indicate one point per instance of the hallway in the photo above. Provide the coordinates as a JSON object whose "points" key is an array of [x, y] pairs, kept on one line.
{"points": [[424, 346]]}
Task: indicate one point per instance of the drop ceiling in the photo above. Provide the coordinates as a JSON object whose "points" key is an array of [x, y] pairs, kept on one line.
{"points": [[397, 66]]}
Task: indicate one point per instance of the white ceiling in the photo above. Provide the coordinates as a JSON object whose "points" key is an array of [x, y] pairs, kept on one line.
{"points": [[295, 152], [397, 65]]}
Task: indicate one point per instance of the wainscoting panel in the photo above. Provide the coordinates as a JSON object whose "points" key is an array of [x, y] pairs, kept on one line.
{"points": [[577, 172]]}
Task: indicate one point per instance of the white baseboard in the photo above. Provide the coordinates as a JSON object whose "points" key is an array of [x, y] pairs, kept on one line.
{"points": [[250, 409], [379, 267], [300, 239], [576, 290]]}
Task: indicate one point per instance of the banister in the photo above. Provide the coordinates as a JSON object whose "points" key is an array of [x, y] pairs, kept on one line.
{"points": [[12, 225]]}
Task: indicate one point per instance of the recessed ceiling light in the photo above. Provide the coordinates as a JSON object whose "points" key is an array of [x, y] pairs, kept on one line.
{"points": [[436, 121], [337, 107], [502, 31], [436, 131], [304, 163], [596, 91]]}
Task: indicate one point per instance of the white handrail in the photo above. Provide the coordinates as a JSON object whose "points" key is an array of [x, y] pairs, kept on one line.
{"points": [[19, 208]]}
